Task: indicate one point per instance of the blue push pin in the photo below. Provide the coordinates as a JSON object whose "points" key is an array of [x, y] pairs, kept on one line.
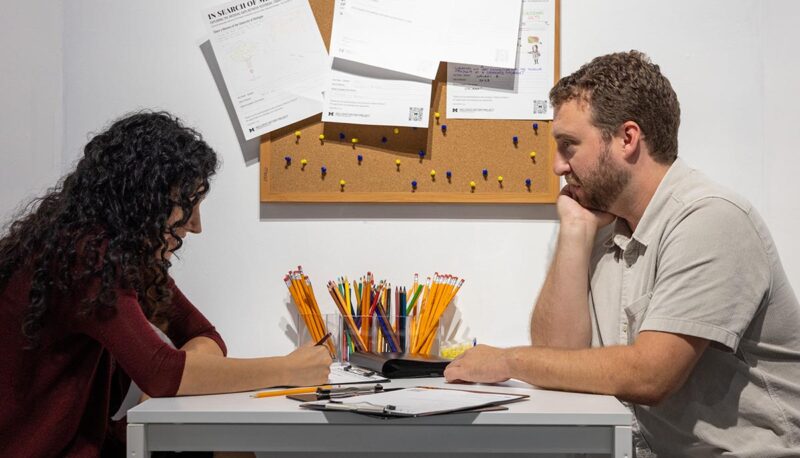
{"points": [[384, 139], [485, 172], [323, 170], [414, 184], [288, 160], [444, 128], [515, 139], [421, 154], [449, 175], [341, 136], [527, 182], [360, 158], [536, 127]]}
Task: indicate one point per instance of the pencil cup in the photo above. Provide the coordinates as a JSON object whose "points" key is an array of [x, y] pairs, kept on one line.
{"points": [[311, 328], [378, 334]]}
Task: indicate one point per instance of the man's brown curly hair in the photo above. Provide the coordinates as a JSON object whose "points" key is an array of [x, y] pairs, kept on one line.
{"points": [[626, 86]]}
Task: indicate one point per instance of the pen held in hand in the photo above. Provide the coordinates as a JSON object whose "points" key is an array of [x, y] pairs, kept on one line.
{"points": [[323, 339]]}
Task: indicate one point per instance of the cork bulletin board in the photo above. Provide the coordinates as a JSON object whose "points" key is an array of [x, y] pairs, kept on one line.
{"points": [[465, 149]]}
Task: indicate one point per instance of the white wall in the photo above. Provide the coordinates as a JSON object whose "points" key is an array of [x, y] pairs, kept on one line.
{"points": [[120, 56], [31, 117]]}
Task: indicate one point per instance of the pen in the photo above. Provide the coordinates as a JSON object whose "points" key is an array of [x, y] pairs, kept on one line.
{"points": [[323, 339], [305, 389]]}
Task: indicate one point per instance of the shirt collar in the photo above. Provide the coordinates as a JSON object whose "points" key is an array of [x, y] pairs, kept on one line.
{"points": [[652, 214]]}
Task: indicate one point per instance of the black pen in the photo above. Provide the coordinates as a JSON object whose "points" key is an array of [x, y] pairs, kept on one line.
{"points": [[323, 339]]}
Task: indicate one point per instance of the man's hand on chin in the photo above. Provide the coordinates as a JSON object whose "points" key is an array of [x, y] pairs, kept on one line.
{"points": [[481, 364]]}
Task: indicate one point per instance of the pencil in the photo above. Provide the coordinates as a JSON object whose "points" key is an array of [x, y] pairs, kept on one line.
{"points": [[305, 389]]}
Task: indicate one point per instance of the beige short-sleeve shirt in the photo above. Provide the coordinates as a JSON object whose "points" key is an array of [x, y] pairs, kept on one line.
{"points": [[702, 263]]}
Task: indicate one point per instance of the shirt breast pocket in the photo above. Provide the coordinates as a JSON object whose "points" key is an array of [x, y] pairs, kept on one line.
{"points": [[635, 312]]}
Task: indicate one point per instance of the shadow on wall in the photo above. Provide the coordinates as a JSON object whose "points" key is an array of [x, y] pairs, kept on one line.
{"points": [[489, 212]]}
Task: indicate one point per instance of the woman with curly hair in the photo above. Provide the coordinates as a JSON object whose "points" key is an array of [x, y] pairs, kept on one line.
{"points": [[83, 275]]}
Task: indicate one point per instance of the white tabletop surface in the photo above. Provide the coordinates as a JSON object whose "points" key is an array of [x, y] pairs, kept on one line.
{"points": [[543, 407]]}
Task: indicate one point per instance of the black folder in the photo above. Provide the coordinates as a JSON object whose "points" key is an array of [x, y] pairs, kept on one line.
{"points": [[400, 365]]}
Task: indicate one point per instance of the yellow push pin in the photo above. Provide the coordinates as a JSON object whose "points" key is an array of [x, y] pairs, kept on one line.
{"points": [[500, 179], [533, 154], [321, 137], [472, 185], [433, 174], [354, 141], [396, 131], [342, 183], [303, 162], [437, 115], [397, 162], [297, 133]]}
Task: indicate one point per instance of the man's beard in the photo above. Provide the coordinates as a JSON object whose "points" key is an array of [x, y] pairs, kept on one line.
{"points": [[603, 185]]}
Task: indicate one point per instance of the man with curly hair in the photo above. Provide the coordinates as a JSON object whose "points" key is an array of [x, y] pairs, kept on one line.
{"points": [[84, 274], [665, 290]]}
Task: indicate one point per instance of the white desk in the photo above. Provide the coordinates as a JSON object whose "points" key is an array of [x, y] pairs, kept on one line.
{"points": [[549, 422]]}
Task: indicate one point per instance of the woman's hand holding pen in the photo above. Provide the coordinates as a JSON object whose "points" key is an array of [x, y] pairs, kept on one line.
{"points": [[308, 365]]}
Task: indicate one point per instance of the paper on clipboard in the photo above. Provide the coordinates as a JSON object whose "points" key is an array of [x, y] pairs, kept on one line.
{"points": [[415, 402]]}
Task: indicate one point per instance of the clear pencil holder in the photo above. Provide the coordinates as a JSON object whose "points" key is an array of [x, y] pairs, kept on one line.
{"points": [[392, 335], [323, 324]]}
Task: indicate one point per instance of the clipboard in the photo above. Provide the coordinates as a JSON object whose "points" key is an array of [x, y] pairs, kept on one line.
{"points": [[418, 401], [400, 365]]}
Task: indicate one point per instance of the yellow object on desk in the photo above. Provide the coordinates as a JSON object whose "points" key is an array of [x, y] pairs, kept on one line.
{"points": [[455, 349], [305, 389]]}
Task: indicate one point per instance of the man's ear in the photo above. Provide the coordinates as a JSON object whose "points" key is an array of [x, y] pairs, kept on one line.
{"points": [[631, 136]]}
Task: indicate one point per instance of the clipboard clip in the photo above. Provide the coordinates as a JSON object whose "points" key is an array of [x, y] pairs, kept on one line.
{"points": [[358, 370], [361, 407], [347, 391]]}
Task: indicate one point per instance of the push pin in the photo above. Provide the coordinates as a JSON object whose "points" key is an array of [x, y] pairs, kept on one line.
{"points": [[528, 183], [449, 175], [396, 131], [515, 140], [341, 184], [323, 171], [433, 175], [360, 158], [297, 134], [437, 115], [288, 160], [421, 154], [444, 128], [536, 128], [354, 140], [397, 163], [303, 163], [322, 137], [533, 156], [500, 180], [414, 185], [342, 136], [384, 139], [485, 173], [472, 186]]}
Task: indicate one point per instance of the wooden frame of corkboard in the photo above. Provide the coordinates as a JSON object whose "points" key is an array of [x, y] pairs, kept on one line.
{"points": [[466, 149]]}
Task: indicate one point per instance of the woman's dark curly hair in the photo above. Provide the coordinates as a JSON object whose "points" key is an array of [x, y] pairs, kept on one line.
{"points": [[106, 223]]}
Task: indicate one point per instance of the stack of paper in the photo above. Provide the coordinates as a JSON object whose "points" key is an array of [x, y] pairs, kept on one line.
{"points": [[383, 56]]}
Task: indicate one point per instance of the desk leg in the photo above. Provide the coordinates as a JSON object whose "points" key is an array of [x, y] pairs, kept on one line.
{"points": [[137, 441], [623, 442]]}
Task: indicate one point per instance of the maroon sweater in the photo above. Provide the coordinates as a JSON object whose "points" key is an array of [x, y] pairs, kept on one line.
{"points": [[57, 400]]}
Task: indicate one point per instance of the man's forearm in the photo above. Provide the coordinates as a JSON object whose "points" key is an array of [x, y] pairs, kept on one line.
{"points": [[616, 371], [561, 315]]}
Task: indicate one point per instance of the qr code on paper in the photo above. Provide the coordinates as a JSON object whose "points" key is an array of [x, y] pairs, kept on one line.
{"points": [[415, 114], [539, 106]]}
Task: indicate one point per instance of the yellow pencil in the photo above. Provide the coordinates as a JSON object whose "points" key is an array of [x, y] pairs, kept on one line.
{"points": [[305, 389]]}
